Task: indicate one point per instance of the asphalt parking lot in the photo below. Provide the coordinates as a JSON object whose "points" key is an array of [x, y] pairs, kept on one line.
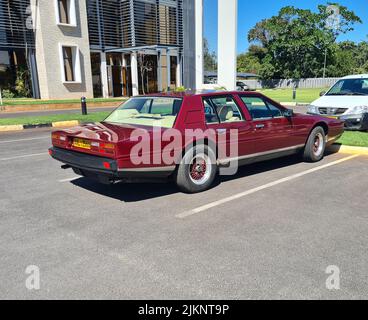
{"points": [[268, 233]]}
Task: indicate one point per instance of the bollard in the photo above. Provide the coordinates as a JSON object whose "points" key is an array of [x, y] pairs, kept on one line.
{"points": [[294, 93], [84, 105]]}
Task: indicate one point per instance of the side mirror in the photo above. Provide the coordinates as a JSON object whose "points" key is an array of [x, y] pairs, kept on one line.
{"points": [[288, 113], [322, 93]]}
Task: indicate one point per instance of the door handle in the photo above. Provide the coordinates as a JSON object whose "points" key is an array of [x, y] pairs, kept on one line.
{"points": [[221, 131], [260, 126]]}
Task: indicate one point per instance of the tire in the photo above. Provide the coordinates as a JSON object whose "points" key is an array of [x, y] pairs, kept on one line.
{"points": [[197, 170], [314, 150]]}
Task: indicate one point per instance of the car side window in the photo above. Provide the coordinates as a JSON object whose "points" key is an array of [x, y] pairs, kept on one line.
{"points": [[275, 111], [210, 112], [227, 109], [257, 107]]}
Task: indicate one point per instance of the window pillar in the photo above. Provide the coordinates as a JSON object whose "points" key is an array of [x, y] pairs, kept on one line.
{"points": [[134, 76]]}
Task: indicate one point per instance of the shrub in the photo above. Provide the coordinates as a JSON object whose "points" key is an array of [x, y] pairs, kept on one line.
{"points": [[7, 94]]}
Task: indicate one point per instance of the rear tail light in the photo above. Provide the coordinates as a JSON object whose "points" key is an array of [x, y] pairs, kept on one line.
{"points": [[58, 139], [103, 148]]}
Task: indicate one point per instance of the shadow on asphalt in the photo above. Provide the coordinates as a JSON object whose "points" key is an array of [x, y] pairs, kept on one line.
{"points": [[134, 192]]}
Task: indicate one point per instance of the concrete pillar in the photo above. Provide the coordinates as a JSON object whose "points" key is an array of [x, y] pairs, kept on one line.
{"points": [[227, 43], [199, 42], [178, 72], [104, 79], [134, 76], [168, 69]]}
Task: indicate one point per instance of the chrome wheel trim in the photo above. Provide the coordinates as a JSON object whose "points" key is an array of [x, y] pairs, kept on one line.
{"points": [[208, 169], [318, 144]]}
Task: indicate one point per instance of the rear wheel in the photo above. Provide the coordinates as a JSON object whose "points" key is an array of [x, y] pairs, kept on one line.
{"points": [[316, 145], [197, 170]]}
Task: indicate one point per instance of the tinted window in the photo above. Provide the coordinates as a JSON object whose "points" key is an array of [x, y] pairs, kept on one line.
{"points": [[275, 111], [258, 108]]}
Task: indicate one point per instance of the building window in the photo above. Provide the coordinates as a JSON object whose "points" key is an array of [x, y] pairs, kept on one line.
{"points": [[66, 12], [70, 64]]}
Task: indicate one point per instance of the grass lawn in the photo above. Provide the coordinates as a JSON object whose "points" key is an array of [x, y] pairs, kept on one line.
{"points": [[286, 95], [22, 101], [353, 138], [93, 117]]}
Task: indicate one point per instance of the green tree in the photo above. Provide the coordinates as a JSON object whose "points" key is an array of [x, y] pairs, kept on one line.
{"points": [[248, 63], [295, 41], [210, 58]]}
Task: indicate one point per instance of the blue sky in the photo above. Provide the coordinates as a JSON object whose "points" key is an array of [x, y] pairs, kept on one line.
{"points": [[250, 12]]}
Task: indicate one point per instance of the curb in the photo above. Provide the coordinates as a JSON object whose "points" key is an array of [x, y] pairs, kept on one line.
{"points": [[58, 124], [11, 128], [349, 150]]}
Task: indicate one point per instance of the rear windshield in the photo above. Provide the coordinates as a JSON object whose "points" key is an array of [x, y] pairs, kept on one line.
{"points": [[147, 111]]}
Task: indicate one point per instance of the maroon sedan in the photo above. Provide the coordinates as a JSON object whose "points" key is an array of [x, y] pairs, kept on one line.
{"points": [[190, 137]]}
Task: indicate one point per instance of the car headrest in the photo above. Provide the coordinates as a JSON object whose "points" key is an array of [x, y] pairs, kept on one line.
{"points": [[225, 113]]}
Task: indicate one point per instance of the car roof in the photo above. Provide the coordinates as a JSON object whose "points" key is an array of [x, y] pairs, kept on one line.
{"points": [[190, 93], [356, 76]]}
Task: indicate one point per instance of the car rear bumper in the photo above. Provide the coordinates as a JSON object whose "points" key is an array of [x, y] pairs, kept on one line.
{"points": [[95, 167]]}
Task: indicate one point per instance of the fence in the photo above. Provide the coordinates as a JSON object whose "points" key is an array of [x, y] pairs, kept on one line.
{"points": [[291, 83]]}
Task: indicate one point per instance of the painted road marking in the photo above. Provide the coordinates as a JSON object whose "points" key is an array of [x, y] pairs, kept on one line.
{"points": [[28, 139], [25, 156], [254, 190], [69, 180]]}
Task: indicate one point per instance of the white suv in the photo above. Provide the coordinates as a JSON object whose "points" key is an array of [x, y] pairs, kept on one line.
{"points": [[346, 100]]}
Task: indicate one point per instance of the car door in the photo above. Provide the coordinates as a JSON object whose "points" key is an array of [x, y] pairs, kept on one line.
{"points": [[223, 114], [272, 130]]}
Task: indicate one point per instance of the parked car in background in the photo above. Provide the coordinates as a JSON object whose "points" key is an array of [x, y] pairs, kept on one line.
{"points": [[265, 130], [241, 86], [346, 100]]}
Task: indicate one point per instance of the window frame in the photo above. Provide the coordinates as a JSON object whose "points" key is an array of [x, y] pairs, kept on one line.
{"points": [[75, 63], [72, 14], [243, 118]]}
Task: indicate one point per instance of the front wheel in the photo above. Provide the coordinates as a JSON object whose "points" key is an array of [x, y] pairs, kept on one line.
{"points": [[197, 170], [316, 145]]}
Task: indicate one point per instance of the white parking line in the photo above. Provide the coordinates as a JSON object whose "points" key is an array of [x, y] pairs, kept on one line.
{"points": [[28, 139], [266, 186], [25, 156], [69, 180]]}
